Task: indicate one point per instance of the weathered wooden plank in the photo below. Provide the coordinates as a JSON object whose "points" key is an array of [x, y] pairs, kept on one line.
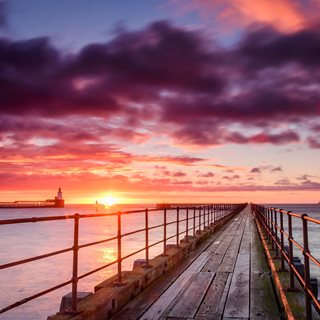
{"points": [[235, 244], [239, 295], [157, 309], [211, 301], [224, 244], [245, 246], [228, 262], [190, 298], [199, 262], [224, 296], [213, 247], [213, 262]]}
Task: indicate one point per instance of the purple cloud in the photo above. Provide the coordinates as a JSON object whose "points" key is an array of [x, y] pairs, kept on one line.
{"points": [[255, 170], [206, 175], [169, 75], [314, 143]]}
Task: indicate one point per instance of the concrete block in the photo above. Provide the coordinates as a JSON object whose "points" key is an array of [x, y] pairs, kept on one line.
{"points": [[138, 263], [314, 286], [66, 301]]}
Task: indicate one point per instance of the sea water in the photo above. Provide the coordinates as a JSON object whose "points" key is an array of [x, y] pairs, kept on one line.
{"points": [[20, 241]]}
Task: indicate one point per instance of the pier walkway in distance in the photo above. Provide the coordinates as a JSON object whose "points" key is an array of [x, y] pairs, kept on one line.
{"points": [[226, 278]]}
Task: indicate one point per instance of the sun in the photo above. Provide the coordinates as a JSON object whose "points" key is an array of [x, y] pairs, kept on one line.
{"points": [[109, 200]]}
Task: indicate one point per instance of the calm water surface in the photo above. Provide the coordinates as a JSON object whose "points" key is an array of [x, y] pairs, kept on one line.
{"points": [[26, 240]]}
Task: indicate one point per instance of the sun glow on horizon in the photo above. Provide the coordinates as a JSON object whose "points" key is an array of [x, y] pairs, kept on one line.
{"points": [[109, 200]]}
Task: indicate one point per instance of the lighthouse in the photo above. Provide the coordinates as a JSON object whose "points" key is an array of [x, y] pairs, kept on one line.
{"points": [[59, 202], [59, 194]]}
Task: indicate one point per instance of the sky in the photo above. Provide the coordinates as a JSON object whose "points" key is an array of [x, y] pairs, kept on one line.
{"points": [[150, 101]]}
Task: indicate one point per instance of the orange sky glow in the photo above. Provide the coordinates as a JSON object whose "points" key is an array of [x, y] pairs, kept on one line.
{"points": [[190, 101]]}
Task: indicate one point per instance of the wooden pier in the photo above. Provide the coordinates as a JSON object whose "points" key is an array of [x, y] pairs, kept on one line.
{"points": [[227, 277], [229, 261]]}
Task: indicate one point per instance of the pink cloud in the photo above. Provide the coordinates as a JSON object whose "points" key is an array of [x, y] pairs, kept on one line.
{"points": [[285, 15]]}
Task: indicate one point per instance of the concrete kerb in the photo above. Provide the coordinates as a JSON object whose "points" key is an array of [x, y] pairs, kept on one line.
{"points": [[108, 299]]}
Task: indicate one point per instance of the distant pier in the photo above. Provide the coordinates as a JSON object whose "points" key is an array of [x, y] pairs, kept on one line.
{"points": [[57, 202]]}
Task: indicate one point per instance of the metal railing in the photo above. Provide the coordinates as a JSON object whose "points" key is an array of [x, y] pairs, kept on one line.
{"points": [[202, 216], [272, 221]]}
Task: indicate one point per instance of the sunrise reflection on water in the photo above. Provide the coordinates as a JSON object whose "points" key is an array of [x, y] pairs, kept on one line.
{"points": [[107, 255]]}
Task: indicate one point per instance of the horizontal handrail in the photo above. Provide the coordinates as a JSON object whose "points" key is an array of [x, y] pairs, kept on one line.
{"points": [[200, 215], [272, 222]]}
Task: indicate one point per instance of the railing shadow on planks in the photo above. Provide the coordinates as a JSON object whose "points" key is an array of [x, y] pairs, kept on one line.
{"points": [[283, 241], [197, 218]]}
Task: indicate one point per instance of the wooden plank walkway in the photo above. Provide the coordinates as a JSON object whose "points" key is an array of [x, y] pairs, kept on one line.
{"points": [[227, 278]]}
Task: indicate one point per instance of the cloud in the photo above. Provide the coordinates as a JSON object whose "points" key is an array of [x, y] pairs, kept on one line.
{"points": [[269, 168], [202, 94], [285, 15], [123, 183], [255, 170], [304, 177], [179, 160], [176, 174], [206, 175], [231, 178], [314, 143], [261, 138], [264, 47], [283, 182]]}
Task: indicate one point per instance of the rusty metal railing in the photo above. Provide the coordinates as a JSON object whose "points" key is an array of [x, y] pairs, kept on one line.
{"points": [[206, 215], [272, 221]]}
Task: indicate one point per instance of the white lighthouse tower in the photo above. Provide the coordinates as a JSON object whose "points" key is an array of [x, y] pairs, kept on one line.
{"points": [[59, 194]]}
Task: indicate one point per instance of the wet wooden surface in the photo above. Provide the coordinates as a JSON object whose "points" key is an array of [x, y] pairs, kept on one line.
{"points": [[226, 278]]}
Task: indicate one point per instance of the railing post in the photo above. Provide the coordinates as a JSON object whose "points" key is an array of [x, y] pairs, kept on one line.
{"points": [[119, 281], [75, 263], [276, 232], [292, 287], [306, 251], [194, 221], [164, 232], [211, 211], [199, 219], [203, 217], [272, 228], [282, 267], [187, 225], [269, 225], [147, 238], [178, 221]]}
